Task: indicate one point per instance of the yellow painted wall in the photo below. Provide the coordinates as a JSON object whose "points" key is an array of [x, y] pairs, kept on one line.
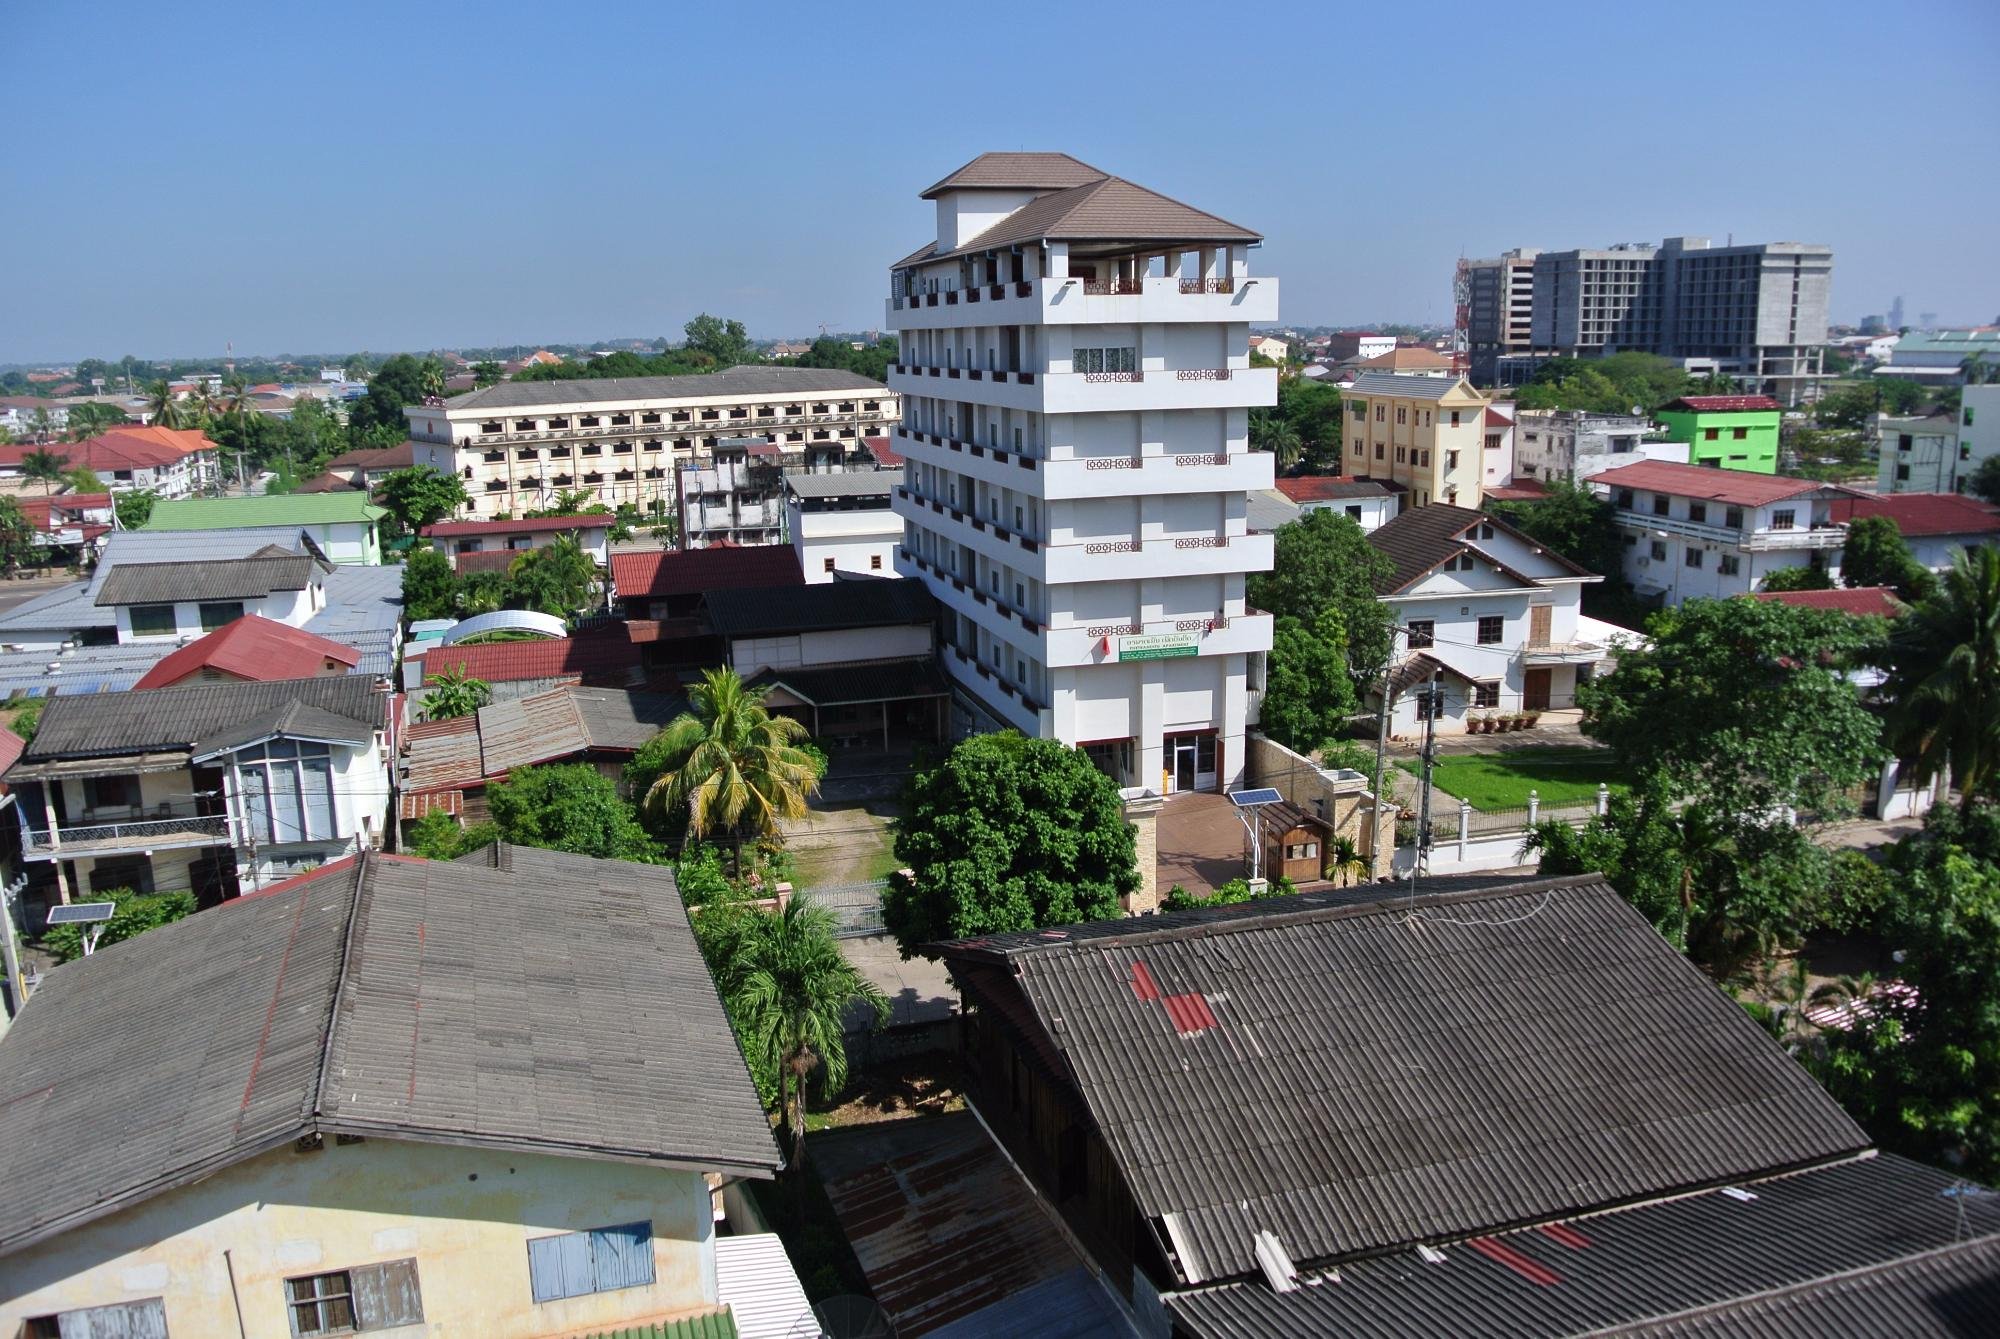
{"points": [[465, 1216]]}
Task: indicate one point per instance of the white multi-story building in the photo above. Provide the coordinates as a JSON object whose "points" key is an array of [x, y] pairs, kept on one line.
{"points": [[1692, 530], [1076, 389], [624, 440], [843, 523]]}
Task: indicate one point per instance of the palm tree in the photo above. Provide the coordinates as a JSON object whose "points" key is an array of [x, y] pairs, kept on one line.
{"points": [[1944, 677], [163, 407], [453, 694], [1270, 433], [46, 466], [789, 989], [237, 395], [734, 766], [91, 417]]}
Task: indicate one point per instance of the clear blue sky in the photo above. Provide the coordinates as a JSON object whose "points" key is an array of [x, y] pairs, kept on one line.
{"points": [[408, 176]]}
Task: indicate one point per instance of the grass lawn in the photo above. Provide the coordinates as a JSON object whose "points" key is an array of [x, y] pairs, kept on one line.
{"points": [[1561, 776], [848, 845]]}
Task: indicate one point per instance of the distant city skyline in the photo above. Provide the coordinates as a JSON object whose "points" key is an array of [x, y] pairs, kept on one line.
{"points": [[410, 179]]}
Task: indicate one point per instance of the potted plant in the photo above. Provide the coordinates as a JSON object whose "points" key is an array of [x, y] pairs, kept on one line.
{"points": [[1519, 721], [1499, 724], [1529, 719]]}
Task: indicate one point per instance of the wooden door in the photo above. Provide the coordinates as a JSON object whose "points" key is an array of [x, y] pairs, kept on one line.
{"points": [[1535, 690], [1538, 624]]}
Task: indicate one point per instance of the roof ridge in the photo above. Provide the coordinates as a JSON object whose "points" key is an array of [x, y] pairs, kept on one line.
{"points": [[316, 1099]]}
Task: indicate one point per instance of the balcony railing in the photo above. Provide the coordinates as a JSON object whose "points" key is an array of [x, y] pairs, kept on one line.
{"points": [[136, 834]]}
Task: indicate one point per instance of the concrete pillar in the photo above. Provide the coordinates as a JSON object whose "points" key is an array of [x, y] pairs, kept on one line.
{"points": [[1603, 798], [1464, 825], [1143, 813], [1534, 807]]}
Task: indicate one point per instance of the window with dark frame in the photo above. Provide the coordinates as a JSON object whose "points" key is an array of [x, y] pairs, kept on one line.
{"points": [[153, 620], [358, 1299], [1486, 694], [1423, 633], [1491, 628]]}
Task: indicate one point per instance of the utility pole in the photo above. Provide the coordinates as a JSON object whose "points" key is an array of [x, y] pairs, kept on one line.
{"points": [[1421, 865], [1382, 738]]}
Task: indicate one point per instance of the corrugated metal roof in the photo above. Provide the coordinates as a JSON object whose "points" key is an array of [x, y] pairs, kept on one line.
{"points": [[1876, 1246], [609, 657], [1923, 513], [290, 510], [1739, 487], [1358, 1078], [754, 1278], [110, 724], [1410, 388], [848, 483], [524, 731], [379, 995], [655, 574], [749, 379], [251, 578], [252, 647], [527, 525]]}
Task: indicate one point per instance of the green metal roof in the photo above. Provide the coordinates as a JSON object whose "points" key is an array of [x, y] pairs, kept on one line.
{"points": [[714, 1325], [237, 513]]}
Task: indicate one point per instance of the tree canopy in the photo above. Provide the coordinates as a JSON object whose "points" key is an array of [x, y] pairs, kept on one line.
{"points": [[1574, 522], [1308, 691], [1303, 428], [1324, 562], [430, 586], [1742, 704], [727, 767], [1874, 553], [1613, 384], [1804, 576], [1944, 676], [1008, 833], [454, 693], [421, 496], [569, 807]]}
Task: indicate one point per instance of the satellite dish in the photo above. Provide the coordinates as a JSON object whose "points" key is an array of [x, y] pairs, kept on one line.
{"points": [[852, 1316]]}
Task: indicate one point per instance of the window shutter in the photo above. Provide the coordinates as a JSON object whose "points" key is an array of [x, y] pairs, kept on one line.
{"points": [[128, 1320], [386, 1294], [622, 1256], [545, 1270]]}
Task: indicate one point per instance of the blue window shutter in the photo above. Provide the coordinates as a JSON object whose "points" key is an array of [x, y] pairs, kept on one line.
{"points": [[622, 1256], [574, 1249], [545, 1267]]}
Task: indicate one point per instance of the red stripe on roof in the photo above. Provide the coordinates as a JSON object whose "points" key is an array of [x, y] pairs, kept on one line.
{"points": [[534, 525], [1190, 1012], [1567, 1236], [1503, 1254], [1143, 984]]}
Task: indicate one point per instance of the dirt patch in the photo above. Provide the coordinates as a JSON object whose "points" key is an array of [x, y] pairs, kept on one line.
{"points": [[848, 844], [930, 1085]]}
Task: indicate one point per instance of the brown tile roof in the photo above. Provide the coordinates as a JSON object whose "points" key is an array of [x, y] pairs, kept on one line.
{"points": [[1018, 171], [1923, 513], [1407, 360], [1329, 487], [1108, 210], [1423, 538], [1877, 600], [1722, 404], [1737, 487]]}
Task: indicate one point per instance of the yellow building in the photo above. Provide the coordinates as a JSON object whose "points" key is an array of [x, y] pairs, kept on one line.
{"points": [[391, 1095], [1424, 433]]}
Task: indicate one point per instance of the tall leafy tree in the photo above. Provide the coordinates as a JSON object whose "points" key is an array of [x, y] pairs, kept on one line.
{"points": [[1308, 693], [88, 419], [164, 408], [1944, 677], [1008, 833], [1573, 522], [1323, 561], [430, 586], [1874, 553], [569, 807], [727, 342], [789, 990], [1270, 433], [421, 496], [1985, 481], [733, 767], [1805, 576], [557, 578], [17, 537], [134, 508], [1742, 704]]}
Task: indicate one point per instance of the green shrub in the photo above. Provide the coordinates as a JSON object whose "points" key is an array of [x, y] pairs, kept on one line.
{"points": [[1236, 890], [136, 913]]}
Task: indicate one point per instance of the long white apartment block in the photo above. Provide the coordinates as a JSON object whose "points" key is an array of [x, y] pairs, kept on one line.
{"points": [[1076, 387]]}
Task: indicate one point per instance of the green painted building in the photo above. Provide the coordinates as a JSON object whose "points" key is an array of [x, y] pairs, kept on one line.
{"points": [[1731, 432], [344, 525]]}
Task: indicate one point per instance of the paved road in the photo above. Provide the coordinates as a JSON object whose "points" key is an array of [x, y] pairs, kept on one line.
{"points": [[16, 593]]}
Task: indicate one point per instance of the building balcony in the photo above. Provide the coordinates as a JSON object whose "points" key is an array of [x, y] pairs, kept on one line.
{"points": [[1099, 392], [1154, 299], [125, 837], [1093, 476], [1823, 536], [1002, 696], [1141, 559], [1562, 653]]}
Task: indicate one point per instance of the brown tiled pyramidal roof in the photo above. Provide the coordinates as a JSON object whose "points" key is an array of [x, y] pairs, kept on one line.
{"points": [[1018, 171]]}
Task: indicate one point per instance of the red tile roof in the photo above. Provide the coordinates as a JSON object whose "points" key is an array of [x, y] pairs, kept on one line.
{"points": [[1923, 513], [1328, 487], [327, 483], [253, 648], [397, 457], [1496, 419], [1723, 404], [1880, 600], [536, 525], [122, 448], [1738, 487], [11, 748], [604, 658], [697, 571], [885, 455], [38, 510], [1521, 490], [486, 560], [1404, 360]]}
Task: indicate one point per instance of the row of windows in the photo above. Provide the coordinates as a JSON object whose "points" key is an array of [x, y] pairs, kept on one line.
{"points": [[384, 1296], [159, 620], [1736, 434], [1727, 564], [1423, 631], [677, 416], [1359, 410]]}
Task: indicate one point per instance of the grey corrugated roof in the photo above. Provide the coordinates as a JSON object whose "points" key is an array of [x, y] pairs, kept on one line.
{"points": [[536, 728], [1266, 509], [848, 483], [749, 379], [1874, 1246], [81, 669], [1110, 210], [382, 996], [1017, 170], [187, 546], [1408, 388], [294, 720], [250, 578], [65, 610], [833, 604], [108, 724], [1406, 1071], [1421, 539]]}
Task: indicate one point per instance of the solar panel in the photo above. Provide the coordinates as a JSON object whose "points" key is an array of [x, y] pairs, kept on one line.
{"points": [[1244, 799], [81, 913]]}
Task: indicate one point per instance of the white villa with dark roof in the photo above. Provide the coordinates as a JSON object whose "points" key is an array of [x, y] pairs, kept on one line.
{"points": [[1077, 386]]}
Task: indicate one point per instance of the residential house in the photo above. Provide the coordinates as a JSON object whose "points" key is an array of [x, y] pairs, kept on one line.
{"points": [[1862, 601], [1367, 502], [854, 660], [255, 649], [345, 526], [1572, 445], [1936, 526], [1921, 455], [173, 462], [607, 654], [1692, 531], [1269, 346], [1489, 619], [1076, 367], [186, 599], [364, 470], [447, 765], [29, 417], [1737, 432], [1409, 362], [1978, 430], [489, 1097], [591, 533], [213, 787], [843, 523], [1427, 434], [662, 584], [1381, 1111], [1503, 437], [1344, 346], [74, 524]]}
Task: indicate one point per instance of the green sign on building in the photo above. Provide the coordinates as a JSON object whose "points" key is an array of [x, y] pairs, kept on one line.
{"points": [[1159, 646]]}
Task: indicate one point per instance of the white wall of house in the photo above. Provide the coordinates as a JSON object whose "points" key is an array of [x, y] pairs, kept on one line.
{"points": [[464, 1217], [290, 607], [844, 541], [1918, 456], [1735, 548], [1367, 512], [747, 655], [593, 540]]}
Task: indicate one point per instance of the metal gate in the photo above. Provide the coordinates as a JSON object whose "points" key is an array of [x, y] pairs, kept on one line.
{"points": [[856, 907]]}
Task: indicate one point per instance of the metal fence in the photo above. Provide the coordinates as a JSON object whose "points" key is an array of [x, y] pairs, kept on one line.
{"points": [[856, 907]]}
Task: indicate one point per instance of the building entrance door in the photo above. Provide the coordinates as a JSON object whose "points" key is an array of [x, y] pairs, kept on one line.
{"points": [[1535, 689], [1190, 762]]}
